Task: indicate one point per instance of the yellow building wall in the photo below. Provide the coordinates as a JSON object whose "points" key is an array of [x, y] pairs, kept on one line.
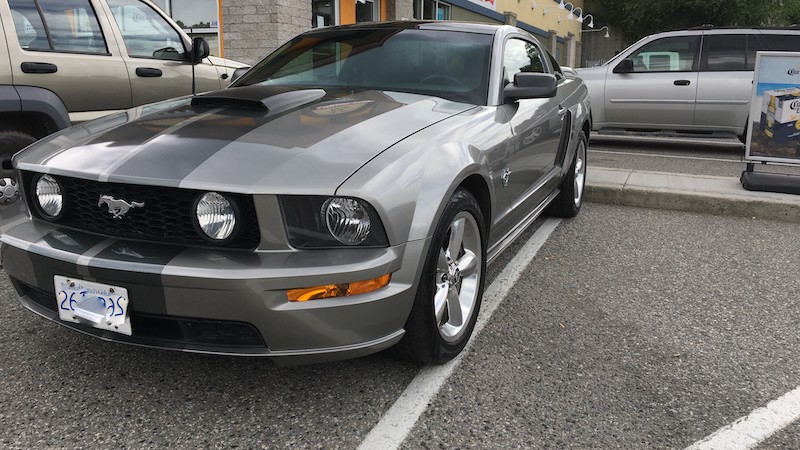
{"points": [[545, 14]]}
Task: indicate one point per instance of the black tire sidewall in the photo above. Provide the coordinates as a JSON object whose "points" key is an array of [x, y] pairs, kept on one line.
{"points": [[564, 204], [441, 351], [12, 141]]}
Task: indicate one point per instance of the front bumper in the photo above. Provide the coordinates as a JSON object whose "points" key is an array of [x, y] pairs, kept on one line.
{"points": [[222, 301]]}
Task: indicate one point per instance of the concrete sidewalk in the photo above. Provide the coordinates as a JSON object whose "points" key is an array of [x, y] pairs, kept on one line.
{"points": [[706, 194]]}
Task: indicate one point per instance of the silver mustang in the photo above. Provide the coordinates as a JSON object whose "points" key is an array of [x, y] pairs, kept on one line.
{"points": [[342, 197]]}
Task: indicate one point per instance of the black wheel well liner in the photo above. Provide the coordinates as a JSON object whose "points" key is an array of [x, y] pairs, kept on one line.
{"points": [[476, 185], [36, 124]]}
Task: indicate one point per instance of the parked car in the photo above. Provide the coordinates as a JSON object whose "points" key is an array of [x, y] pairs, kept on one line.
{"points": [[692, 81], [63, 62], [342, 197]]}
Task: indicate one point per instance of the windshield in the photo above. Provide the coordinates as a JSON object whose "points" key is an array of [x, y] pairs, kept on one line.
{"points": [[447, 64]]}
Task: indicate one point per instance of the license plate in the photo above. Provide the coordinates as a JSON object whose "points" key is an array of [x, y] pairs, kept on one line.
{"points": [[95, 304]]}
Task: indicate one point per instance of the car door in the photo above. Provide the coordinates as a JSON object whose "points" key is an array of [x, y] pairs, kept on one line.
{"points": [[725, 81], [658, 88], [154, 54], [536, 124], [67, 47]]}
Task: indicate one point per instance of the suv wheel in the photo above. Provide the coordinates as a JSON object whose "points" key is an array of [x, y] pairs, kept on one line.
{"points": [[12, 141]]}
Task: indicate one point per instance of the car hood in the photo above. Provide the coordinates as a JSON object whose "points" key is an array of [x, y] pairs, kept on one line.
{"points": [[217, 61], [304, 141]]}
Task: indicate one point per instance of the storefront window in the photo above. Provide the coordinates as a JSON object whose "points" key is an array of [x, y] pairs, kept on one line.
{"points": [[367, 11], [432, 10], [322, 13]]}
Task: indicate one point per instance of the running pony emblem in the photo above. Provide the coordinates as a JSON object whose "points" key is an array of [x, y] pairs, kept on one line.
{"points": [[118, 207]]}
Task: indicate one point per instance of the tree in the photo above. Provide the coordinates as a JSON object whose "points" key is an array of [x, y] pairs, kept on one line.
{"points": [[637, 18]]}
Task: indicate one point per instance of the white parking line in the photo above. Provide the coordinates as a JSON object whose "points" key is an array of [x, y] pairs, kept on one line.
{"points": [[398, 421], [749, 431]]}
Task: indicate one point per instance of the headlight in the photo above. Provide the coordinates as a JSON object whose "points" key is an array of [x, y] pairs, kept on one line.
{"points": [[347, 220], [49, 197], [216, 216], [324, 222]]}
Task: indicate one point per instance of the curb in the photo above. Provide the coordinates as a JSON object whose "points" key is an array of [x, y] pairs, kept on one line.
{"points": [[691, 193]]}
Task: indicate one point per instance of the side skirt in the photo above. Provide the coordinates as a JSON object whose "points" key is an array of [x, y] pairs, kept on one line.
{"points": [[505, 241]]}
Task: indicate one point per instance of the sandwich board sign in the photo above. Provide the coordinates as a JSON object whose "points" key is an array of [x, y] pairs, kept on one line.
{"points": [[774, 130]]}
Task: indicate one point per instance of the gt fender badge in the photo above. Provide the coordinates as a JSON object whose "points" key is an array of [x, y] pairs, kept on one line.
{"points": [[118, 207]]}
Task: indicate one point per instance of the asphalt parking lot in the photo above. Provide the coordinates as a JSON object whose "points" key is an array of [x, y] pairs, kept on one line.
{"points": [[630, 328]]}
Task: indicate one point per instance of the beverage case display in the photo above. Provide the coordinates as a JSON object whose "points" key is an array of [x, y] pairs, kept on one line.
{"points": [[780, 114]]}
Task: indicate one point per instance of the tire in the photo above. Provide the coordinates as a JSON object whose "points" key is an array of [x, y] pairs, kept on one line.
{"points": [[12, 141], [569, 200], [451, 287]]}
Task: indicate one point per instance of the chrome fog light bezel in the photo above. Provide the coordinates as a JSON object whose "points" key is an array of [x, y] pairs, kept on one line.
{"points": [[38, 190], [217, 231]]}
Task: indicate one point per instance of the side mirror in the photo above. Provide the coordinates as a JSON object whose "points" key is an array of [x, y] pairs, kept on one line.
{"points": [[531, 85], [624, 66], [238, 73], [199, 51]]}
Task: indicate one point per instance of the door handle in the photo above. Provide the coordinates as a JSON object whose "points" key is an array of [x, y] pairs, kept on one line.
{"points": [[148, 72], [39, 67], [562, 110], [682, 82]]}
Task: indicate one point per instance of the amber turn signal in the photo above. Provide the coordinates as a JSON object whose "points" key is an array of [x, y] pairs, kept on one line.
{"points": [[337, 290]]}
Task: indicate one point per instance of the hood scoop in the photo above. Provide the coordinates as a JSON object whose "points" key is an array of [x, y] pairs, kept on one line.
{"points": [[269, 100]]}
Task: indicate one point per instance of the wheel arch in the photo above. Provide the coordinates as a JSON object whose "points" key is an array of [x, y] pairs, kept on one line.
{"points": [[35, 110], [479, 188]]}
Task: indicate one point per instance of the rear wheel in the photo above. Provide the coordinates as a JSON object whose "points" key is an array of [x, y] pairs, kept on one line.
{"points": [[569, 200], [451, 287]]}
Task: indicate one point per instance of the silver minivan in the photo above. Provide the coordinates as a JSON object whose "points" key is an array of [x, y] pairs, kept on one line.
{"points": [[696, 81]]}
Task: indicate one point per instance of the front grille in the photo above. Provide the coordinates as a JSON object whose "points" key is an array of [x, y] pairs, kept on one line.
{"points": [[166, 216]]}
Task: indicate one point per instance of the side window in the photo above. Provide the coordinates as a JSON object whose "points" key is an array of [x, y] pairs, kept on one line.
{"points": [[781, 42], [522, 56], [726, 52], [62, 26], [672, 54], [556, 67], [145, 32]]}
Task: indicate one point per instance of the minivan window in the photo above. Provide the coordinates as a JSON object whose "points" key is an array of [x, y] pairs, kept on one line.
{"points": [[781, 42], [67, 26], [726, 52], [671, 54], [145, 32]]}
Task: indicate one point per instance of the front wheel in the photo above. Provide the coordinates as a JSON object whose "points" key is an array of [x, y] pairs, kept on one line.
{"points": [[569, 200], [451, 287]]}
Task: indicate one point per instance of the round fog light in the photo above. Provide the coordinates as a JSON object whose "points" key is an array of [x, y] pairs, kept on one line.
{"points": [[49, 196], [216, 216], [347, 220]]}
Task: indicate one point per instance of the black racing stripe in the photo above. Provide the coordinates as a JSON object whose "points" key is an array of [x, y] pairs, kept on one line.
{"points": [[199, 141], [45, 268], [75, 243], [140, 131], [146, 291], [141, 252]]}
